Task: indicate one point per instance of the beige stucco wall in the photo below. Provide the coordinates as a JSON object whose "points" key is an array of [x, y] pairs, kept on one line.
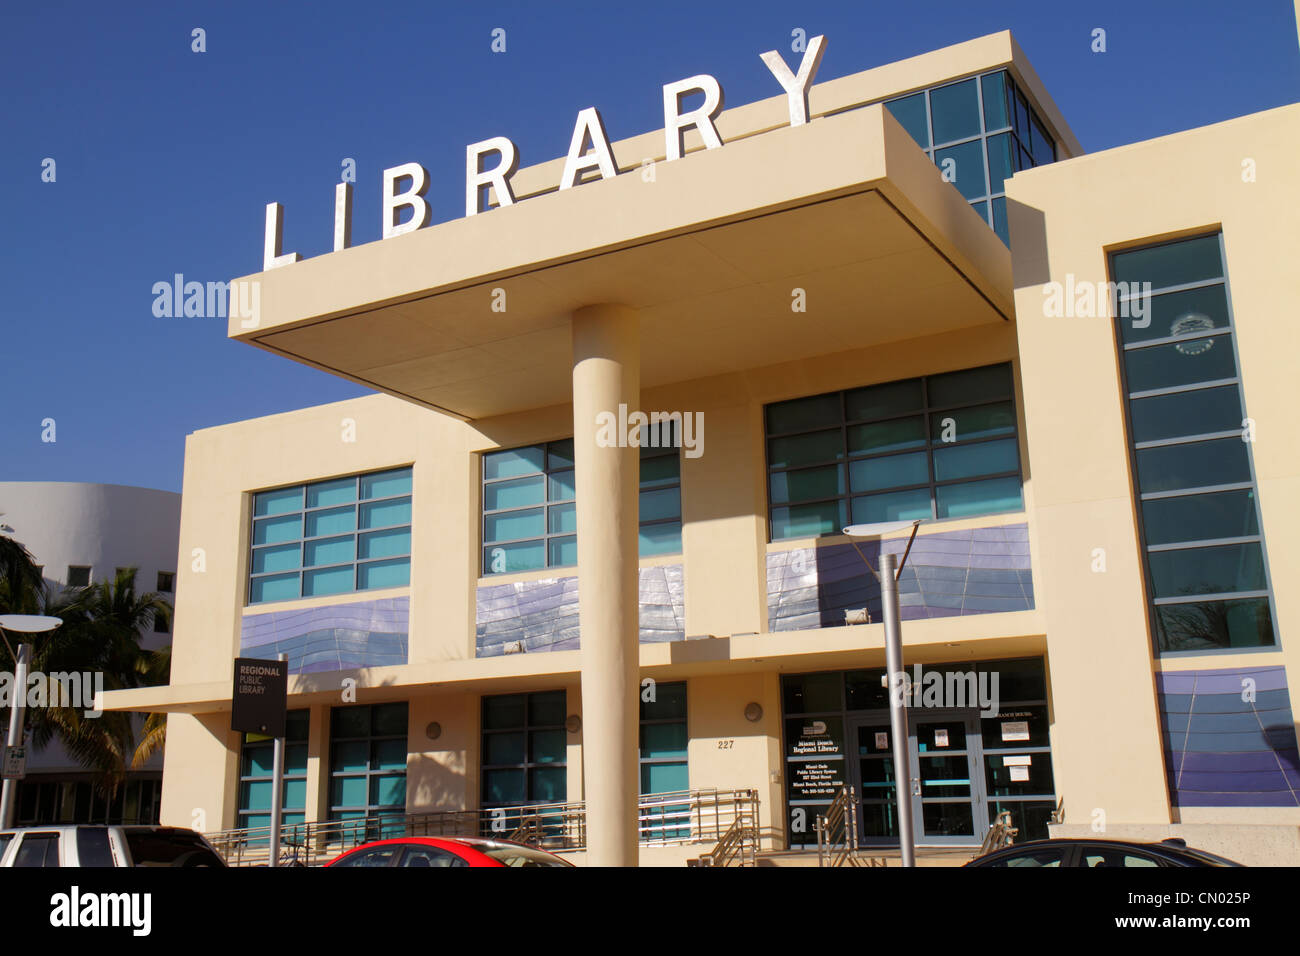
{"points": [[1065, 219], [1078, 498]]}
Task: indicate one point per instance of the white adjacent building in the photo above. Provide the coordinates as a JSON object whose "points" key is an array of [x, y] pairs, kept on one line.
{"points": [[81, 533]]}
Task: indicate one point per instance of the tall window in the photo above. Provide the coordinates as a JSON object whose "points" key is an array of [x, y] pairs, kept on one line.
{"points": [[256, 765], [943, 446], [978, 131], [1207, 577], [330, 537], [368, 766], [663, 740], [663, 762], [524, 749], [530, 518]]}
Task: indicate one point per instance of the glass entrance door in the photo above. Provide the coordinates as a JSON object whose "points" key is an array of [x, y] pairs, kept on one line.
{"points": [[873, 775], [947, 785], [946, 789]]}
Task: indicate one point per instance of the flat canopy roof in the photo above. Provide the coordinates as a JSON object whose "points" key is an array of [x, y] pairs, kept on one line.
{"points": [[847, 208]]}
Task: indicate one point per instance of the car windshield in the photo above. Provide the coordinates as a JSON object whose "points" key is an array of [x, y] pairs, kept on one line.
{"points": [[520, 856], [169, 848]]}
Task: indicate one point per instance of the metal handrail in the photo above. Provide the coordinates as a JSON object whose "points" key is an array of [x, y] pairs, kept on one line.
{"points": [[739, 843], [837, 831], [681, 817], [1001, 833]]}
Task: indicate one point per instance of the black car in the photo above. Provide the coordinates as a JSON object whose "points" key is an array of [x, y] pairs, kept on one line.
{"points": [[1108, 853]]}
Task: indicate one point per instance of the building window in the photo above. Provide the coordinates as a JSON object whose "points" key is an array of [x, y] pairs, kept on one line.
{"points": [[125, 575], [331, 537], [979, 131], [524, 749], [530, 518], [1202, 540], [663, 762], [162, 622], [41, 800], [78, 576], [256, 766], [166, 582], [368, 747], [942, 446]]}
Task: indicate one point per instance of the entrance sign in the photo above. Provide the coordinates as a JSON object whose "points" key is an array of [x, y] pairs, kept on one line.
{"points": [[815, 758], [413, 179], [259, 700]]}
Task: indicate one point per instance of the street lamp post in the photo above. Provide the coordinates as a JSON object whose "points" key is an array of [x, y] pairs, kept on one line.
{"points": [[23, 624], [895, 677]]}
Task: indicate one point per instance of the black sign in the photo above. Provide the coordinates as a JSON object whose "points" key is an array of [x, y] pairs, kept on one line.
{"points": [[258, 702]]}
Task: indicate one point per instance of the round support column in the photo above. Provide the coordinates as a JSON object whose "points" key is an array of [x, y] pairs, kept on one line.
{"points": [[607, 374]]}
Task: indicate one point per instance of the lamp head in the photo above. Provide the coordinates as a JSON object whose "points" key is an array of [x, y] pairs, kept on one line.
{"points": [[880, 528]]}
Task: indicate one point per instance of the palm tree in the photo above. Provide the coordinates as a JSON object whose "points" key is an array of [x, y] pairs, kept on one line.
{"points": [[154, 732], [102, 625], [21, 583]]}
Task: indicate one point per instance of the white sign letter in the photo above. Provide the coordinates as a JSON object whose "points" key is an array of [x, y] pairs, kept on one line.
{"points": [[676, 122], [498, 178], [342, 216], [274, 236], [413, 197], [589, 126], [796, 87]]}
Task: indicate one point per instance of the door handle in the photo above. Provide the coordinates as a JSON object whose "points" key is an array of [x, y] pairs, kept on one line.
{"points": [[916, 786]]}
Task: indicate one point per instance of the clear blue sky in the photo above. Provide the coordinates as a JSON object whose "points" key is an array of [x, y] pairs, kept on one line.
{"points": [[166, 157]]}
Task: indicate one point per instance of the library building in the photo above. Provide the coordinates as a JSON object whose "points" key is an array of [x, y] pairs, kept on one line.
{"points": [[577, 573]]}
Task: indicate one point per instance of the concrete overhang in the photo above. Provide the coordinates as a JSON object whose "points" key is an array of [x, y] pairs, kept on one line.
{"points": [[846, 208]]}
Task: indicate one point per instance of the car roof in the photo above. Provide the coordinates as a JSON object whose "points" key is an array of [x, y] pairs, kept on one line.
{"points": [[1174, 846], [474, 843]]}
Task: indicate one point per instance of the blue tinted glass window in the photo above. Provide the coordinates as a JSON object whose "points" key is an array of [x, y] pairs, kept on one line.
{"points": [[1207, 577], [995, 101], [910, 113], [955, 111], [525, 752], [312, 537], [255, 769], [1000, 225], [955, 117], [530, 511], [368, 746], [963, 166], [935, 464], [326, 493]]}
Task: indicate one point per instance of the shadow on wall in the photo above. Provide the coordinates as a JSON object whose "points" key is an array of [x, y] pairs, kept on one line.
{"points": [[1030, 264]]}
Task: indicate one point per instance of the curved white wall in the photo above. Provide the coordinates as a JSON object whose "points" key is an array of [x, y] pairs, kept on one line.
{"points": [[104, 527]]}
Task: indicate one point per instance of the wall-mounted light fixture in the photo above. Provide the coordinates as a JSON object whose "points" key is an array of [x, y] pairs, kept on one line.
{"points": [[753, 712], [573, 724], [434, 730]]}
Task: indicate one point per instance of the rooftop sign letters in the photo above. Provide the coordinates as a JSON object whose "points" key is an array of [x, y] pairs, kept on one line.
{"points": [[589, 152]]}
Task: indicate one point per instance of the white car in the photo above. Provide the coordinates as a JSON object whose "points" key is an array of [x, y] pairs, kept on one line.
{"points": [[105, 846]]}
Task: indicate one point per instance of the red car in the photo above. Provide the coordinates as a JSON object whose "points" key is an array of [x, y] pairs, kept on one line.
{"points": [[446, 851]]}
